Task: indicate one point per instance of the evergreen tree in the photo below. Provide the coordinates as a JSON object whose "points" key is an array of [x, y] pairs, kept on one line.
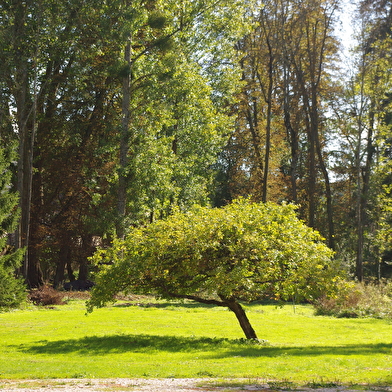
{"points": [[12, 290]]}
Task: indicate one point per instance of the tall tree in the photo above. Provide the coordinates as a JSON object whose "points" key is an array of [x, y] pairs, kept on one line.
{"points": [[158, 29], [21, 38], [92, 124], [287, 61], [312, 50], [364, 131], [362, 124]]}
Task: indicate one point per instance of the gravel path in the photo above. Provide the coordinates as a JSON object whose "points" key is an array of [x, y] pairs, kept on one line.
{"points": [[155, 385]]}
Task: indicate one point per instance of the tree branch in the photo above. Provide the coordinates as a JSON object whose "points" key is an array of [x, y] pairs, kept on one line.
{"points": [[199, 299]]}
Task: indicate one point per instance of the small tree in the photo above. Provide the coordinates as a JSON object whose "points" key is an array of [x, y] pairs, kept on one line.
{"points": [[12, 290], [242, 252]]}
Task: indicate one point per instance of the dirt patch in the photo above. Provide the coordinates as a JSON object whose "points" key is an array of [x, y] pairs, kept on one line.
{"points": [[162, 385]]}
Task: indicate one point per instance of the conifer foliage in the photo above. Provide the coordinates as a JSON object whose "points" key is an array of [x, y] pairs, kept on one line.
{"points": [[12, 290]]}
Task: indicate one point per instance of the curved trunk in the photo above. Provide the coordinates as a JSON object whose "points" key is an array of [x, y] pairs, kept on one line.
{"points": [[242, 318], [231, 303]]}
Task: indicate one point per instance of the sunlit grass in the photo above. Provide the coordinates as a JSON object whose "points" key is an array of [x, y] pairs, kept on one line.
{"points": [[188, 340]]}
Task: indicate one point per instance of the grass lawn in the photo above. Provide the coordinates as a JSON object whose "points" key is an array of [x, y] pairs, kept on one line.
{"points": [[190, 340]]}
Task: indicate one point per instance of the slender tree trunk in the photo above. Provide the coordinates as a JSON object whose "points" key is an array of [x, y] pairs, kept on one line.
{"points": [[310, 118], [20, 93], [292, 134], [267, 92], [64, 256], [252, 117], [253, 122], [59, 276], [71, 275], [85, 252], [26, 105], [34, 272], [360, 231], [313, 129], [358, 153], [359, 203], [26, 130], [268, 99], [328, 194], [363, 185], [294, 150], [124, 143]]}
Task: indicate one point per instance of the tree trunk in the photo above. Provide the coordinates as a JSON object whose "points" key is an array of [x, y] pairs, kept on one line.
{"points": [[124, 143], [363, 175], [231, 303], [328, 194], [267, 92], [64, 257], [71, 275], [253, 122], [83, 270], [312, 130], [242, 318], [26, 111], [59, 276], [292, 134], [35, 277]]}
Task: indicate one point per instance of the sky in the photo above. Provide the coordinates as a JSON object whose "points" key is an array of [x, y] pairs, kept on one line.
{"points": [[345, 30]]}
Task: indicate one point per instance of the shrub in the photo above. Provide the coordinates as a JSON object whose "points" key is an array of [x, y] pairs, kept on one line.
{"points": [[46, 295], [358, 300], [12, 290]]}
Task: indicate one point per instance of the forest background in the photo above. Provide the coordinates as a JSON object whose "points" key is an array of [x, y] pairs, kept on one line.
{"points": [[115, 113]]}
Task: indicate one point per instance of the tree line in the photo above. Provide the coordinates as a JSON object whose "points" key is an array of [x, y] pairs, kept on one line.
{"points": [[114, 114]]}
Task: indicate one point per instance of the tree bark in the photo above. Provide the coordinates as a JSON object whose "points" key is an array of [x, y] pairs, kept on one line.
{"points": [[292, 134], [268, 130], [242, 318], [26, 112], [267, 92], [328, 194], [64, 257], [124, 142], [232, 304], [363, 185]]}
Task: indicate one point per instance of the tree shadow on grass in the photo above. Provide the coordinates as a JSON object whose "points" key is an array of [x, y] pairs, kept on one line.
{"points": [[215, 347], [164, 305]]}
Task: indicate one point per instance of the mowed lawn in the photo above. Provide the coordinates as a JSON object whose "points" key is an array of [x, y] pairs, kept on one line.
{"points": [[160, 339]]}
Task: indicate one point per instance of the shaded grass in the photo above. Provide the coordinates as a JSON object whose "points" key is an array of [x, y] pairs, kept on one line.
{"points": [[189, 340]]}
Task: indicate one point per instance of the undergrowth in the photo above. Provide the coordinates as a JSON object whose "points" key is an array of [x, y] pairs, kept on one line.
{"points": [[46, 295], [358, 300]]}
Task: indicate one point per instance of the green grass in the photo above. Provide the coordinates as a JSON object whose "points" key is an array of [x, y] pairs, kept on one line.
{"points": [[189, 340]]}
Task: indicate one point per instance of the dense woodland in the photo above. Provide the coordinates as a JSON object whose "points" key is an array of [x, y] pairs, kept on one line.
{"points": [[113, 114]]}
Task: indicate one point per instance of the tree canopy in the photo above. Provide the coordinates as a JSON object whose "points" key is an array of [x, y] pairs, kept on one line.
{"points": [[242, 252]]}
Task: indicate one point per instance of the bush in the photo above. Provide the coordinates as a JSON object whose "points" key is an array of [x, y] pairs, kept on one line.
{"points": [[358, 300], [12, 290], [46, 295]]}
